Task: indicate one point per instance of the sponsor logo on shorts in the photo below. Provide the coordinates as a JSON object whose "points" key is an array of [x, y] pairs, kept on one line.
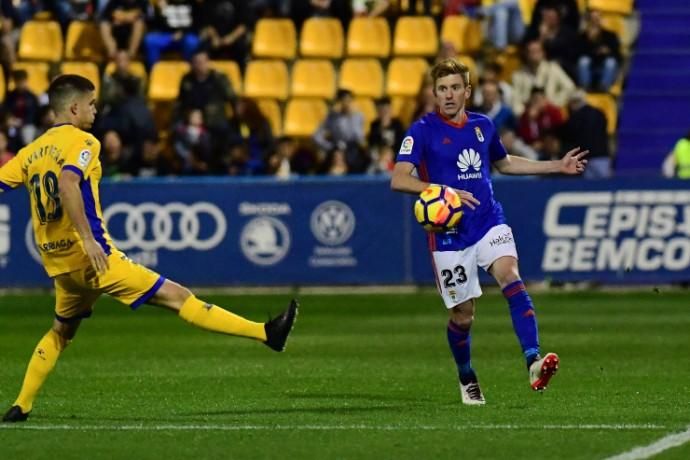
{"points": [[56, 246], [501, 239]]}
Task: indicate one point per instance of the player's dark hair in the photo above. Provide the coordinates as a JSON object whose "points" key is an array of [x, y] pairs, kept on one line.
{"points": [[64, 88], [450, 67], [537, 90], [343, 93]]}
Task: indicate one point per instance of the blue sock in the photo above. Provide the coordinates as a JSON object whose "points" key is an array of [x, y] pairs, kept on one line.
{"points": [[459, 341], [524, 320]]}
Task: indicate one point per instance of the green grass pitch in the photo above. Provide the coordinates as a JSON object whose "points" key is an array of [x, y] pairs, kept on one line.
{"points": [[364, 376]]}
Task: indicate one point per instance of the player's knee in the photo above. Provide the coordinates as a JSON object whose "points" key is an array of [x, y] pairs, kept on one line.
{"points": [[65, 332], [462, 315], [464, 322]]}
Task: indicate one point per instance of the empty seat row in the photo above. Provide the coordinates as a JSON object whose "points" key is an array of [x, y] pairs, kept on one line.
{"points": [[270, 78], [366, 37]]}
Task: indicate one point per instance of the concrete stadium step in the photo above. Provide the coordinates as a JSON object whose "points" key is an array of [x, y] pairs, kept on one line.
{"points": [[663, 39], [674, 19], [659, 59], [659, 79]]}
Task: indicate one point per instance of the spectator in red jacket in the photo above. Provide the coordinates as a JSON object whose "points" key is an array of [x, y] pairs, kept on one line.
{"points": [[540, 116]]}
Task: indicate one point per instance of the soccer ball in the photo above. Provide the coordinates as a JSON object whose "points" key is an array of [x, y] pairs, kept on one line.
{"points": [[438, 208]]}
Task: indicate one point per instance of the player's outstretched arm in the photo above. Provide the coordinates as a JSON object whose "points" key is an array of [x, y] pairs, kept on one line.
{"points": [[403, 180], [73, 204], [573, 162]]}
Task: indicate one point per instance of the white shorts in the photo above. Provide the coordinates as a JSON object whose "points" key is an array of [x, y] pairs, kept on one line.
{"points": [[456, 272]]}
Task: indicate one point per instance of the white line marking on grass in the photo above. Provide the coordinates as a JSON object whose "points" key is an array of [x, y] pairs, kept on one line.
{"points": [[665, 443], [210, 427]]}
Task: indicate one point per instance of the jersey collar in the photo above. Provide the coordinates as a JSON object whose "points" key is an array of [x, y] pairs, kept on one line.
{"points": [[452, 123]]}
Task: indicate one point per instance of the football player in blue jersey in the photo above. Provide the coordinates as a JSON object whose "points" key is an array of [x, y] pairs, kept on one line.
{"points": [[457, 148]]}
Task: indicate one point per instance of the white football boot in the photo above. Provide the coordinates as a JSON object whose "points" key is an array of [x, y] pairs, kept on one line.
{"points": [[472, 394]]}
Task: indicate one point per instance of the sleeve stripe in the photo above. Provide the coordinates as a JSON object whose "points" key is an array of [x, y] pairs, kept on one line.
{"points": [[74, 169], [4, 187]]}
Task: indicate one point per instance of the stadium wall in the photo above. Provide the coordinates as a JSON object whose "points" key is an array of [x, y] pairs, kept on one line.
{"points": [[217, 232]]}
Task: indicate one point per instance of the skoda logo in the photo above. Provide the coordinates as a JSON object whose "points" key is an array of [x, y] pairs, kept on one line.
{"points": [[332, 223], [265, 240]]}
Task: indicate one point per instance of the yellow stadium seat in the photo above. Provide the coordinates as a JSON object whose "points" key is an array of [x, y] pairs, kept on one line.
{"points": [[403, 107], [271, 110], [527, 8], [136, 68], [612, 6], [85, 69], [40, 41], [303, 116], [510, 61], [313, 78], [364, 77], [322, 38], [266, 79], [84, 42], [405, 76], [365, 106], [415, 36], [165, 79], [231, 70], [368, 37], [607, 104], [274, 38], [38, 75], [464, 33]]}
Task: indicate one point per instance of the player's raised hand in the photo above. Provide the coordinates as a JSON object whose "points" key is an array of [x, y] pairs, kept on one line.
{"points": [[98, 258], [467, 198], [574, 161]]}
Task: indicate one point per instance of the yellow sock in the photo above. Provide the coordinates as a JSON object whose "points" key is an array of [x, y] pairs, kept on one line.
{"points": [[42, 363], [214, 318]]}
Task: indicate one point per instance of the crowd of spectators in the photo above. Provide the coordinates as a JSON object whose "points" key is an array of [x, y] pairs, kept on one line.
{"points": [[540, 112]]}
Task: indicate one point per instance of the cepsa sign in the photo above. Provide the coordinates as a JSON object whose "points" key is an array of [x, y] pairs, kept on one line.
{"points": [[612, 231]]}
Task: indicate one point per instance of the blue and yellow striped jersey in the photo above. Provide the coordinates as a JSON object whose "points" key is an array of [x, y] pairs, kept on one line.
{"points": [[38, 166]]}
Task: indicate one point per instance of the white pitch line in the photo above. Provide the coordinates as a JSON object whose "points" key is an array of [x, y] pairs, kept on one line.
{"points": [[172, 427], [665, 443]]}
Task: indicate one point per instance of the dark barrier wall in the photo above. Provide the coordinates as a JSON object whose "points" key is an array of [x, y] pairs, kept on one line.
{"points": [[356, 231]]}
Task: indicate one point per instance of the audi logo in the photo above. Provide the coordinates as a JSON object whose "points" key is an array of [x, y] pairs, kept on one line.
{"points": [[151, 226]]}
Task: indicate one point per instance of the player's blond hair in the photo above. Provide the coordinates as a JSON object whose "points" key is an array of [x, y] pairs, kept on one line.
{"points": [[450, 67]]}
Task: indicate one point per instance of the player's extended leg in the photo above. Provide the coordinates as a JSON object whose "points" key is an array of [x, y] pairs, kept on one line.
{"points": [[273, 333], [40, 366], [505, 271], [459, 341]]}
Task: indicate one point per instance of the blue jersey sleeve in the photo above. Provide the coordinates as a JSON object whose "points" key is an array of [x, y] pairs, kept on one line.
{"points": [[412, 146], [497, 150]]}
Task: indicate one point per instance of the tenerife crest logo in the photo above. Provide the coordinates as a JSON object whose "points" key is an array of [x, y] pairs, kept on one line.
{"points": [[469, 159]]}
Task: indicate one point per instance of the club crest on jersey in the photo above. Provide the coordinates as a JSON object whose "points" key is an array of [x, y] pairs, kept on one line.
{"points": [[470, 164], [479, 134], [84, 158], [406, 146]]}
